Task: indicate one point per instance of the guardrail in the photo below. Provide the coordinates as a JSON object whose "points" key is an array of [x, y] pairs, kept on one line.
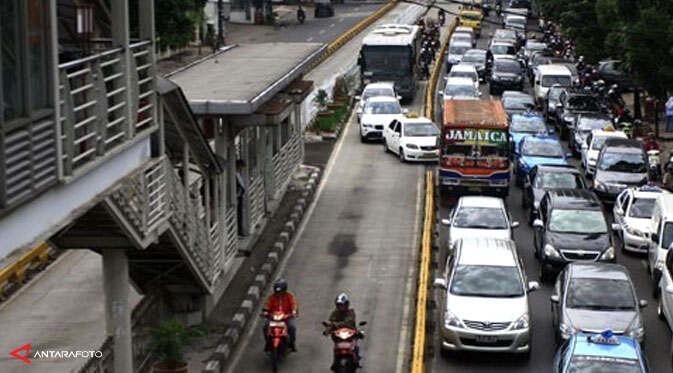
{"points": [[417, 365], [436, 70], [348, 35], [15, 274]]}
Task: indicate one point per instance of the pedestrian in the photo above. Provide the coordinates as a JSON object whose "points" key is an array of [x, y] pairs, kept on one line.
{"points": [[669, 114], [241, 188]]}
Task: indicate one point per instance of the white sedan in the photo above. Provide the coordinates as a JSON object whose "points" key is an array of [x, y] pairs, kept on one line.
{"points": [[412, 139]]}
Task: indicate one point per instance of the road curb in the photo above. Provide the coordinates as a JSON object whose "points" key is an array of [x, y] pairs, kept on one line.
{"points": [[218, 359]]}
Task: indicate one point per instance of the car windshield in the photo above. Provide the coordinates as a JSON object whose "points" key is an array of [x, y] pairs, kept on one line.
{"points": [[598, 142], [374, 92], [642, 208], [460, 90], [516, 21], [542, 149], [420, 129], [487, 281], [504, 34], [462, 37], [480, 218], [463, 74], [504, 66], [458, 49], [534, 46], [588, 124], [601, 364], [558, 180], [550, 80], [600, 294], [389, 107], [577, 221], [474, 57], [518, 103], [470, 16], [503, 49], [623, 162], [583, 103], [527, 124]]}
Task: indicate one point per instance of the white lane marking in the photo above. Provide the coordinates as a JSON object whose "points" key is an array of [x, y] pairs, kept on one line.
{"points": [[332, 25], [309, 39], [253, 328], [321, 32], [404, 332]]}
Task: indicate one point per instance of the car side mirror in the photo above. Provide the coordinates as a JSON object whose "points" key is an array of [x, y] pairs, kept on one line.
{"points": [[537, 223], [439, 283], [362, 323], [533, 285], [642, 303], [554, 298], [405, 111], [446, 221], [515, 224], [358, 98], [616, 227]]}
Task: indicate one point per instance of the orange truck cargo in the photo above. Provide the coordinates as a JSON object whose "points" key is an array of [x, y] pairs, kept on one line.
{"points": [[474, 147]]}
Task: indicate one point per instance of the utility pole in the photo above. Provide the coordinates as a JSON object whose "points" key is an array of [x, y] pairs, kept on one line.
{"points": [[220, 24]]}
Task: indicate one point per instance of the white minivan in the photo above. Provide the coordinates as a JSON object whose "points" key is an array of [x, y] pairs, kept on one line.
{"points": [[661, 237], [548, 75]]}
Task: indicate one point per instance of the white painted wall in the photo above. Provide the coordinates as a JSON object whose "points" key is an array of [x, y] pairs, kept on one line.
{"points": [[51, 210]]}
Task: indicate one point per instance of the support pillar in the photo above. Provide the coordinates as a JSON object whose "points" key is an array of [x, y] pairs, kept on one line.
{"points": [[117, 308], [121, 38]]}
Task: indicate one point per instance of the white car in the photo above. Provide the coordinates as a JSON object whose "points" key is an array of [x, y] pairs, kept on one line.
{"points": [[412, 138], [478, 216], [593, 146], [386, 89], [465, 29], [465, 71], [516, 23], [460, 88], [456, 51], [502, 49], [464, 37], [485, 303], [665, 287], [632, 214], [376, 114]]}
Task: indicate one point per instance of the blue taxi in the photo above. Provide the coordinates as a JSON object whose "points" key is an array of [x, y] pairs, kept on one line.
{"points": [[603, 352], [534, 150], [524, 124]]}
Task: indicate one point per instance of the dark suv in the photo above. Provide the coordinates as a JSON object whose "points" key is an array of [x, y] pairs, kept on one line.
{"points": [[506, 74], [622, 163], [573, 102], [543, 178], [571, 226]]}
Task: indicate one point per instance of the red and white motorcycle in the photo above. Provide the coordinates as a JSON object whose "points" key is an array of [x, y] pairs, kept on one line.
{"points": [[345, 358], [278, 336]]}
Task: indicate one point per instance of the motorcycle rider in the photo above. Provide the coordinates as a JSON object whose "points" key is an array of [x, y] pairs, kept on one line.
{"points": [[344, 317], [441, 17], [284, 301]]}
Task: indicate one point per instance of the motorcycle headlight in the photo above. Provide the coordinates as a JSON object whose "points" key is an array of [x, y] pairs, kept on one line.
{"points": [[450, 320], [566, 330], [411, 146], [608, 254], [521, 323], [551, 252]]}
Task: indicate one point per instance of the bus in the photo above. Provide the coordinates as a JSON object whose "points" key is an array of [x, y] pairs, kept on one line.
{"points": [[391, 53]]}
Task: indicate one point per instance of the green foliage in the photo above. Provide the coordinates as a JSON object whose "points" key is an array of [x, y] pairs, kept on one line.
{"points": [[169, 340], [325, 124], [321, 99], [176, 21]]}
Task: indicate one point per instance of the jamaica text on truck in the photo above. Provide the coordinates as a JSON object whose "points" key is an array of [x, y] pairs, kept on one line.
{"points": [[474, 147], [391, 53]]}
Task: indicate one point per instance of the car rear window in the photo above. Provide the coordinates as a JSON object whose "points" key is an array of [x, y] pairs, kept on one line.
{"points": [[600, 294]]}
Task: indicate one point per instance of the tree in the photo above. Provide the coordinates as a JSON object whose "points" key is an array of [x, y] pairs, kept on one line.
{"points": [[176, 21]]}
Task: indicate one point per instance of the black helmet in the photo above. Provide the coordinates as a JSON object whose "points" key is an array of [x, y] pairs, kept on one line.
{"points": [[280, 286], [342, 300]]}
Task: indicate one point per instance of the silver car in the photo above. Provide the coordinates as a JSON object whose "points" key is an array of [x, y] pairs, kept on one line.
{"points": [[485, 298], [477, 216], [594, 297]]}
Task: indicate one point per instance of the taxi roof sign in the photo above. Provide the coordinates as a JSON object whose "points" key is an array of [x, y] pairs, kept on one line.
{"points": [[412, 114], [609, 129], [605, 338]]}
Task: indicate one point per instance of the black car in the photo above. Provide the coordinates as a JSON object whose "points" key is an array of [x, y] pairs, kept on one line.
{"points": [[544, 178], [480, 59], [517, 103], [571, 226], [506, 73], [612, 72], [583, 126], [572, 103], [622, 163]]}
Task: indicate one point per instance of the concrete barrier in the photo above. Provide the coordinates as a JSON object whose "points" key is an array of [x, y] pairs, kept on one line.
{"points": [[15, 274]]}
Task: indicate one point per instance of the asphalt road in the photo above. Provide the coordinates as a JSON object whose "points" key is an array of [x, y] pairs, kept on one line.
{"points": [[658, 336]]}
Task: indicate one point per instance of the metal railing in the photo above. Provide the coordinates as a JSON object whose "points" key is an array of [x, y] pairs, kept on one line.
{"points": [[285, 162], [95, 114]]}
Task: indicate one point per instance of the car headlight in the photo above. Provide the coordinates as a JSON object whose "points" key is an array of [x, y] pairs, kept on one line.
{"points": [[634, 231], [566, 330], [636, 330], [450, 320], [551, 252], [600, 186], [568, 118], [608, 254], [521, 323], [411, 146]]}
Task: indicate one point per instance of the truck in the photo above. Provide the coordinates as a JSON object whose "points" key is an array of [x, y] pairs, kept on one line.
{"points": [[391, 53], [474, 148]]}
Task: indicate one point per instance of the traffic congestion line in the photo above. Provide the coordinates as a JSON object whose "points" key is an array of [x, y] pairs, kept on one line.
{"points": [[417, 365]]}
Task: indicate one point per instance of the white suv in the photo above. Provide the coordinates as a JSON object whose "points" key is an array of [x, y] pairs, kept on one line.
{"points": [[486, 305], [632, 214], [377, 113], [386, 89], [412, 138]]}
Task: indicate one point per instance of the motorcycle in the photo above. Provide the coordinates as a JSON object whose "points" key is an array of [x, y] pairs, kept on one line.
{"points": [[278, 337], [654, 164], [345, 358], [301, 15]]}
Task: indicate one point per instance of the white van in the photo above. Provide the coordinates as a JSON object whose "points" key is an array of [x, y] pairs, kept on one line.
{"points": [[661, 237], [547, 76]]}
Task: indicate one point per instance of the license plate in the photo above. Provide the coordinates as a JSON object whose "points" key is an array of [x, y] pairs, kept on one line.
{"points": [[429, 155], [474, 189], [486, 338]]}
